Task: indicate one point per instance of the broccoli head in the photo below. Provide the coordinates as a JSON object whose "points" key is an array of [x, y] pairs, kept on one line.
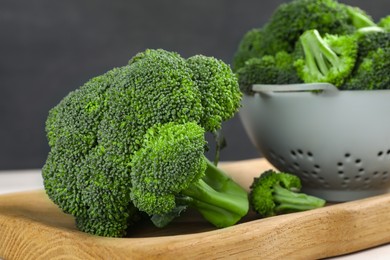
{"points": [[372, 73], [170, 172], [277, 193], [278, 69], [326, 59], [95, 130], [291, 19]]}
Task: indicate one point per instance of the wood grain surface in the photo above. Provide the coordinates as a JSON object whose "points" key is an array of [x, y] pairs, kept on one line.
{"points": [[32, 227]]}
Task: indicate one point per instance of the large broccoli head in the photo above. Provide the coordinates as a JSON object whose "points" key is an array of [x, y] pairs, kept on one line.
{"points": [[94, 132]]}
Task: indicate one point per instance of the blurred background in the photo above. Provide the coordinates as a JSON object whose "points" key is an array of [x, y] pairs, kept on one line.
{"points": [[50, 47]]}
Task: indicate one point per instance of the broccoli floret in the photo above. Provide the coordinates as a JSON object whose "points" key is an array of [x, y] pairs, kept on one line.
{"points": [[291, 19], [249, 47], [278, 69], [326, 59], [369, 41], [220, 94], [94, 132], [277, 193], [372, 73], [170, 171]]}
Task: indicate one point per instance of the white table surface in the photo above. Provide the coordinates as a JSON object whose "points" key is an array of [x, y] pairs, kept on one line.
{"points": [[25, 180]]}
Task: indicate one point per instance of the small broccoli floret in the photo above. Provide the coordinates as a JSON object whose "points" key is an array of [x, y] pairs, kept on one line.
{"points": [[369, 41], [218, 86], [278, 69], [291, 19], [330, 59], [277, 193], [170, 172], [372, 73], [249, 47]]}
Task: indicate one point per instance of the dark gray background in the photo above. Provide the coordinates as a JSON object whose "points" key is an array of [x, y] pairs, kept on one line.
{"points": [[50, 47]]}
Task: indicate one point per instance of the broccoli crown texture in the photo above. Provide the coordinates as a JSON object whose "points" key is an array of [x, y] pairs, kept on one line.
{"points": [[326, 59], [278, 69], [171, 172], [276, 193], [171, 158], [291, 19], [372, 73], [96, 129], [369, 41], [218, 86]]}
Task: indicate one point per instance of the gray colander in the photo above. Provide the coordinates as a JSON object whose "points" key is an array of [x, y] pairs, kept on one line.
{"points": [[337, 142]]}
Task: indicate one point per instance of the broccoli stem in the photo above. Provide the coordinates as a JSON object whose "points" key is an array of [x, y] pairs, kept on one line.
{"points": [[218, 198], [359, 20], [290, 201], [318, 55]]}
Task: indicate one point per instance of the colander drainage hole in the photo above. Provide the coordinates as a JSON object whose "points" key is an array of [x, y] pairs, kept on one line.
{"points": [[293, 153], [358, 162]]}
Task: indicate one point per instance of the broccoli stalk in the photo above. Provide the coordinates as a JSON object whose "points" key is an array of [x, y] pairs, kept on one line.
{"points": [[171, 173], [330, 59], [217, 197], [359, 18], [277, 193], [291, 201]]}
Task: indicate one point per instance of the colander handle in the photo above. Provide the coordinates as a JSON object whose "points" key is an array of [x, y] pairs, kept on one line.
{"points": [[306, 87]]}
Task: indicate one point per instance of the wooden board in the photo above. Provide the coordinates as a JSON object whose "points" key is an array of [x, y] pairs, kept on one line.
{"points": [[32, 227]]}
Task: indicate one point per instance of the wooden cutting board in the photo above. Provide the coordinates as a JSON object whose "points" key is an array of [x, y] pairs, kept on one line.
{"points": [[32, 227]]}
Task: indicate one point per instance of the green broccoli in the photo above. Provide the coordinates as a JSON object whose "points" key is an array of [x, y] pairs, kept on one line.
{"points": [[249, 47], [326, 59], [369, 41], [170, 171], [278, 69], [277, 193], [291, 19], [218, 88], [372, 73], [95, 130], [359, 18], [384, 22], [372, 66]]}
